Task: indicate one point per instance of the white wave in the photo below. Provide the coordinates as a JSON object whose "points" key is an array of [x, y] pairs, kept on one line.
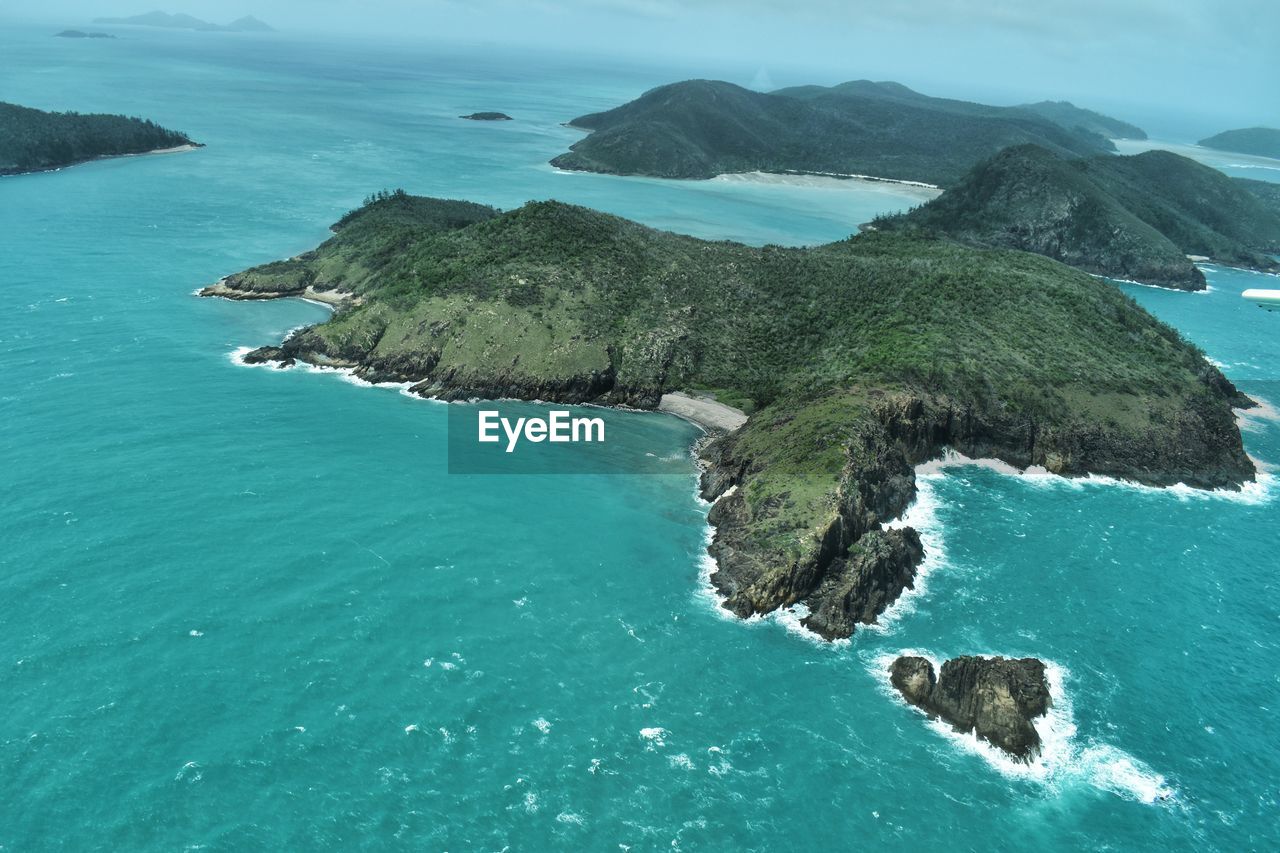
{"points": [[542, 725], [1063, 761], [681, 761], [655, 735]]}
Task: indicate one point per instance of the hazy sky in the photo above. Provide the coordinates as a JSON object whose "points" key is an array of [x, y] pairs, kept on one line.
{"points": [[1212, 62]]}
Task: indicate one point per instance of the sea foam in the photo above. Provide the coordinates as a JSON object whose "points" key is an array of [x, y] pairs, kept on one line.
{"points": [[1065, 760]]}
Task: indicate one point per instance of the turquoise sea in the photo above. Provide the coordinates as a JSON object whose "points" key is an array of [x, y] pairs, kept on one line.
{"points": [[248, 609]]}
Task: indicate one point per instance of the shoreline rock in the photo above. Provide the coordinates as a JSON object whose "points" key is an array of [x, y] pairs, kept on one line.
{"points": [[996, 698]]}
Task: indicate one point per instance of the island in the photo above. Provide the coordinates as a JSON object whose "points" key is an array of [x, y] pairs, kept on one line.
{"points": [[490, 116], [704, 128], [80, 34], [1136, 218], [180, 21], [33, 140], [860, 359], [995, 698], [1258, 141]]}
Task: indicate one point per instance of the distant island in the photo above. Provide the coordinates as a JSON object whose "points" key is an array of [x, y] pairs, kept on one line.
{"points": [[704, 128], [247, 24], [858, 360], [1258, 141], [490, 116], [33, 140], [1135, 217], [80, 34]]}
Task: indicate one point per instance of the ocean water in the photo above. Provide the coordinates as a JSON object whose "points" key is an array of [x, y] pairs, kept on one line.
{"points": [[249, 609]]}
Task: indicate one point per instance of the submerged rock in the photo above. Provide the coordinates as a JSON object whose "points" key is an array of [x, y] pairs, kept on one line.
{"points": [[997, 698]]}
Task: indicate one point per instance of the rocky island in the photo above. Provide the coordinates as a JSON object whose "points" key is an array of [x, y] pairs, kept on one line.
{"points": [[33, 140], [80, 34], [995, 698], [488, 116], [1258, 141], [1135, 218], [704, 128], [861, 359]]}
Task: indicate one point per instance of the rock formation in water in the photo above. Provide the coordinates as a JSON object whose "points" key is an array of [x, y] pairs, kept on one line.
{"points": [[996, 698]]}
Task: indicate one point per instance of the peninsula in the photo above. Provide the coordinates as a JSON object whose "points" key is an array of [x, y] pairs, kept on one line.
{"points": [[1135, 218], [704, 128], [1258, 141], [860, 359], [33, 140]]}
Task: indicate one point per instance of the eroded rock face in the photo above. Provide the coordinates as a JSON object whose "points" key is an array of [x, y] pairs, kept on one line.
{"points": [[268, 355], [997, 698]]}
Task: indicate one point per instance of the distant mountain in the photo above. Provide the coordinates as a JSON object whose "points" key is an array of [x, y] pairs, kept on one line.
{"points": [[1069, 115], [33, 140], [1259, 141], [179, 21], [702, 128], [1127, 217]]}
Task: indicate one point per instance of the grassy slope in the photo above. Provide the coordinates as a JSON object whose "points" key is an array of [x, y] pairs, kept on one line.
{"points": [[701, 128], [33, 140], [552, 301], [1130, 217]]}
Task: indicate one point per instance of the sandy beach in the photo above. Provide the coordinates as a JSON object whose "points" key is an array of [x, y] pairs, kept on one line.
{"points": [[703, 411], [863, 183]]}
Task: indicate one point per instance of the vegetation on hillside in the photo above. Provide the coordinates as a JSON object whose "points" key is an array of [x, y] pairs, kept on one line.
{"points": [[1259, 141], [1068, 114], [1132, 217], [33, 140], [702, 128], [857, 356]]}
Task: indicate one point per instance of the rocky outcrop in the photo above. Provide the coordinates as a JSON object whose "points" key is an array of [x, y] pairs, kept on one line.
{"points": [[487, 116], [269, 355], [996, 698], [858, 568]]}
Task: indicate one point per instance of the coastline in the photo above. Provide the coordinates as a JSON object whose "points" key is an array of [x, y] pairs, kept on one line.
{"points": [[175, 149], [703, 411], [330, 298]]}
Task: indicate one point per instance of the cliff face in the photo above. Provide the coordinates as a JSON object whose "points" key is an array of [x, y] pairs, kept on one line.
{"points": [[996, 698], [864, 358], [856, 567], [1133, 217]]}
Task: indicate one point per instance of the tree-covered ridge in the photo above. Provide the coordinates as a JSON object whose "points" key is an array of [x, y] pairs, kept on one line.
{"points": [[1132, 217], [861, 358], [1068, 114], [1259, 141], [702, 128], [33, 140]]}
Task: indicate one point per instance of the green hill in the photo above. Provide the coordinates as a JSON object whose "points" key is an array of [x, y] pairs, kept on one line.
{"points": [[702, 128], [862, 358], [1132, 217], [1259, 141], [34, 140], [1068, 114]]}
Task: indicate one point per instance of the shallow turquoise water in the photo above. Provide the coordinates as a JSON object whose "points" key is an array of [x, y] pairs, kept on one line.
{"points": [[248, 609]]}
